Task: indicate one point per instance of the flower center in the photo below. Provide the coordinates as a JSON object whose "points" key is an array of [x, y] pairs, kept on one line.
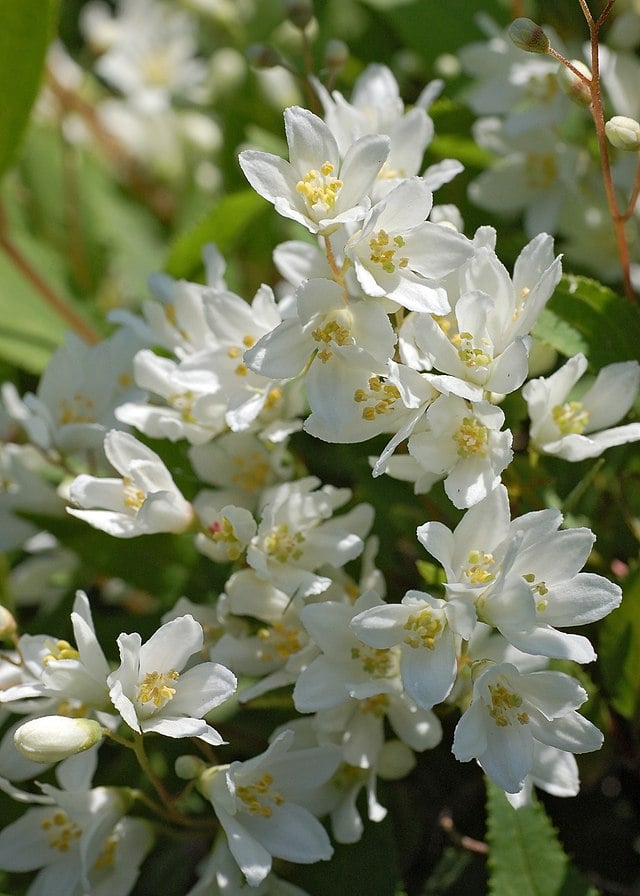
{"points": [[377, 662], [222, 532], [251, 472], [571, 418], [280, 641], [134, 497], [155, 688], [471, 438], [423, 629], [541, 170], [376, 705], [282, 546], [379, 398], [61, 650], [332, 331], [183, 403], [478, 571], [62, 832], [258, 795], [79, 409], [471, 356], [319, 188], [384, 249], [538, 588], [503, 703]]}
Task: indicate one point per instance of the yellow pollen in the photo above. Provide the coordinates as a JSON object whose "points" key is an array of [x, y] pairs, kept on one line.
{"points": [[502, 702], [256, 796], [234, 351], [376, 705], [125, 380], [251, 472], [320, 188], [134, 497], [470, 355], [155, 689], [471, 438], [222, 532], [78, 409], [423, 629], [273, 398], [107, 857], [380, 398], [241, 370], [478, 569], [281, 641], [183, 402], [157, 68], [384, 249], [282, 546], [61, 650], [571, 418], [376, 661], [62, 832], [248, 341]]}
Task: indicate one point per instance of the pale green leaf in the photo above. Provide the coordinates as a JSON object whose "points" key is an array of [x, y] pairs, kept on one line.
{"points": [[619, 649], [25, 29]]}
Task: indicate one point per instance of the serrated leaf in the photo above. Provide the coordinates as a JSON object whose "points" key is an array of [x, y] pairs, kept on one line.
{"points": [[525, 855], [24, 36], [224, 226], [583, 315], [619, 649]]}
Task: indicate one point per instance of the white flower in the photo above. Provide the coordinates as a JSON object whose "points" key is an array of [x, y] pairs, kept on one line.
{"points": [[151, 691], [143, 501], [462, 441], [399, 254], [510, 711], [317, 187], [426, 632], [260, 805], [576, 429], [80, 842], [523, 575]]}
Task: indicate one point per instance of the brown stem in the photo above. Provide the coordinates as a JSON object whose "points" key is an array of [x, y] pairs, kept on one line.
{"points": [[634, 194], [60, 305], [468, 843], [597, 112]]}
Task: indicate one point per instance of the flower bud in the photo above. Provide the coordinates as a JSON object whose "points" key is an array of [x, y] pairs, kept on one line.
{"points": [[528, 36], [52, 738], [8, 625], [299, 12], [623, 132], [573, 86], [263, 56], [396, 760], [188, 768], [336, 54]]}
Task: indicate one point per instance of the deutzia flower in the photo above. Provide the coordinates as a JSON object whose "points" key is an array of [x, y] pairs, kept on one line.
{"points": [[510, 711], [80, 841], [426, 631], [576, 429], [463, 442], [260, 805], [316, 187], [399, 254], [151, 691], [143, 501]]}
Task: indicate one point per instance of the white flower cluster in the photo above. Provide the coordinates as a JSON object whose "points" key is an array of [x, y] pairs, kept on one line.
{"points": [[388, 323]]}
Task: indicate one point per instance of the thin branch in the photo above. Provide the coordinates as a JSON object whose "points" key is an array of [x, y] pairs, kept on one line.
{"points": [[469, 844]]}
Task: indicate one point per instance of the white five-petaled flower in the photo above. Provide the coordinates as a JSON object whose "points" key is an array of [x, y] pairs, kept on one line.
{"points": [[143, 501], [576, 429], [151, 691], [510, 711], [317, 187], [401, 255], [260, 805]]}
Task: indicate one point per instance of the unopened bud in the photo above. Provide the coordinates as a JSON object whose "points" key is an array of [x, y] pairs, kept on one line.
{"points": [[299, 12], [396, 760], [336, 54], [528, 36], [575, 88], [8, 626], [52, 738], [263, 56], [623, 132], [189, 767]]}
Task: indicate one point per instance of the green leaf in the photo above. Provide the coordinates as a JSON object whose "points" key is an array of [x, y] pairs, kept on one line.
{"points": [[525, 855], [585, 316], [619, 649], [27, 26], [225, 225]]}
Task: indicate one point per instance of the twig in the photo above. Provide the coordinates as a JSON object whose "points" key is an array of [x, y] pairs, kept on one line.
{"points": [[469, 844]]}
